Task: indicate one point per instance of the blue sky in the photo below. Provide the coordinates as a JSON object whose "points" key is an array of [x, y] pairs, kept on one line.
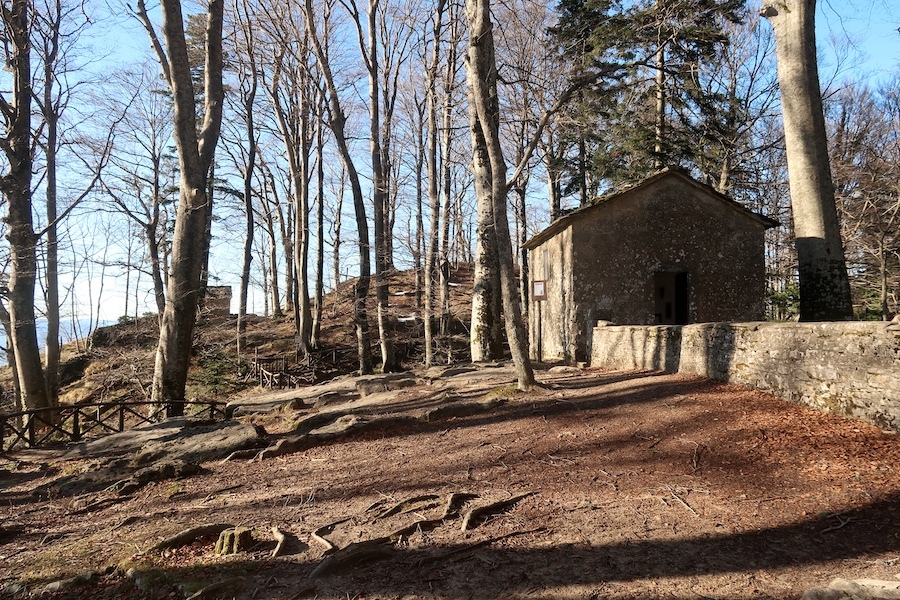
{"points": [[865, 29], [868, 28]]}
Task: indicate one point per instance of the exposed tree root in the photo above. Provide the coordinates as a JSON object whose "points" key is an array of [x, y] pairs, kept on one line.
{"points": [[380, 547], [99, 504], [190, 535], [320, 427], [319, 535], [455, 501], [354, 554], [474, 516], [280, 540], [462, 409], [157, 472], [214, 590], [410, 504]]}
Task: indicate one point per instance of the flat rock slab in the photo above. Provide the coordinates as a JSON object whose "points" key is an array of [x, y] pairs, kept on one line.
{"points": [[166, 450], [366, 386], [197, 442], [260, 400], [860, 589], [133, 440]]}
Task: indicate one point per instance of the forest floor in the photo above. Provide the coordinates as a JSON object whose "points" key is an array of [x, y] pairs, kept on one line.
{"points": [[452, 485], [603, 485]]}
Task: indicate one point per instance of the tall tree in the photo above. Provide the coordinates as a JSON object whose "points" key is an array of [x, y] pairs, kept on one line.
{"points": [[15, 185], [319, 297], [196, 152], [431, 154], [337, 120], [292, 96], [369, 45], [824, 285], [248, 84], [490, 167], [646, 56]]}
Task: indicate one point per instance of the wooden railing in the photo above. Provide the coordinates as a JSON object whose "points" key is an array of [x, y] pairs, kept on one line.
{"points": [[275, 372], [36, 427]]}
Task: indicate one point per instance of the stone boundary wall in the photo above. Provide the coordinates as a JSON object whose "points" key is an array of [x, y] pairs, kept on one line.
{"points": [[848, 368]]}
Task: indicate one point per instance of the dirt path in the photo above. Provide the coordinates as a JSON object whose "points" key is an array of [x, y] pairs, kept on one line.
{"points": [[642, 486]]}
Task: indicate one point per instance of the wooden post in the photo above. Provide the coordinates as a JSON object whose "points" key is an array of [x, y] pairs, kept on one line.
{"points": [[76, 429]]}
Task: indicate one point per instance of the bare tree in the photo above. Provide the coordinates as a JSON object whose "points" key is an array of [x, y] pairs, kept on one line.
{"points": [[196, 152], [15, 185], [865, 152], [824, 286], [273, 214], [337, 121], [291, 94], [369, 46], [137, 179], [431, 153], [490, 167], [248, 84], [319, 298]]}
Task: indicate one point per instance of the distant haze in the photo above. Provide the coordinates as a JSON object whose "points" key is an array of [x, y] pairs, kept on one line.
{"points": [[68, 331]]}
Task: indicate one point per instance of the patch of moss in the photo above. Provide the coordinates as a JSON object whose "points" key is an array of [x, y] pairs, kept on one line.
{"points": [[507, 392]]}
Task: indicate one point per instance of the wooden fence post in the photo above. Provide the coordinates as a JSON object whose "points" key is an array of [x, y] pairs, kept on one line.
{"points": [[76, 429]]}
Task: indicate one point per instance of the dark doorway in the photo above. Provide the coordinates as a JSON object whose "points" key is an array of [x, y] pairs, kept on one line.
{"points": [[671, 298]]}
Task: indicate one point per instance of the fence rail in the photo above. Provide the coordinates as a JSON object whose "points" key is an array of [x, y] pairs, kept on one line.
{"points": [[33, 428], [284, 371]]}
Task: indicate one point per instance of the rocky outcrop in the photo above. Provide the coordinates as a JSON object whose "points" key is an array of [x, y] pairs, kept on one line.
{"points": [[860, 589]]}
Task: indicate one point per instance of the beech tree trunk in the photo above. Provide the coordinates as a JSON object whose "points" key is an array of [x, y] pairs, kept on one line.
{"points": [[481, 80], [320, 222], [485, 339], [431, 246], [15, 184], [195, 157], [824, 286], [380, 178], [51, 276], [248, 86], [447, 179], [337, 122]]}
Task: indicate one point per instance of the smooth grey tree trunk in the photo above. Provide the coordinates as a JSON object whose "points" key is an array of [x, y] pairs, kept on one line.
{"points": [[824, 285], [431, 247], [380, 178], [319, 298], [337, 123], [51, 275], [481, 80], [249, 85], [195, 156], [15, 185]]}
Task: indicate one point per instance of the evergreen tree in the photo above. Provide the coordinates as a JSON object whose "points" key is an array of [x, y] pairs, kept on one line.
{"points": [[643, 112]]}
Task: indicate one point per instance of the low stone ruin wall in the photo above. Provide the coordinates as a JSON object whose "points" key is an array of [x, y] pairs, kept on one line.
{"points": [[849, 368]]}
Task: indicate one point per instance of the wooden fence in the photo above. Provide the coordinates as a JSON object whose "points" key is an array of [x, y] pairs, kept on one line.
{"points": [[37, 427], [284, 371]]}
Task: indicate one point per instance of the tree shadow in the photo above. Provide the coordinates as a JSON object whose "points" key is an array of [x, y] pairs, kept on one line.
{"points": [[482, 567]]}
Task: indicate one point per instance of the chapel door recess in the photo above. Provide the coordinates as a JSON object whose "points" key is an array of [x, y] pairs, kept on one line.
{"points": [[671, 296]]}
